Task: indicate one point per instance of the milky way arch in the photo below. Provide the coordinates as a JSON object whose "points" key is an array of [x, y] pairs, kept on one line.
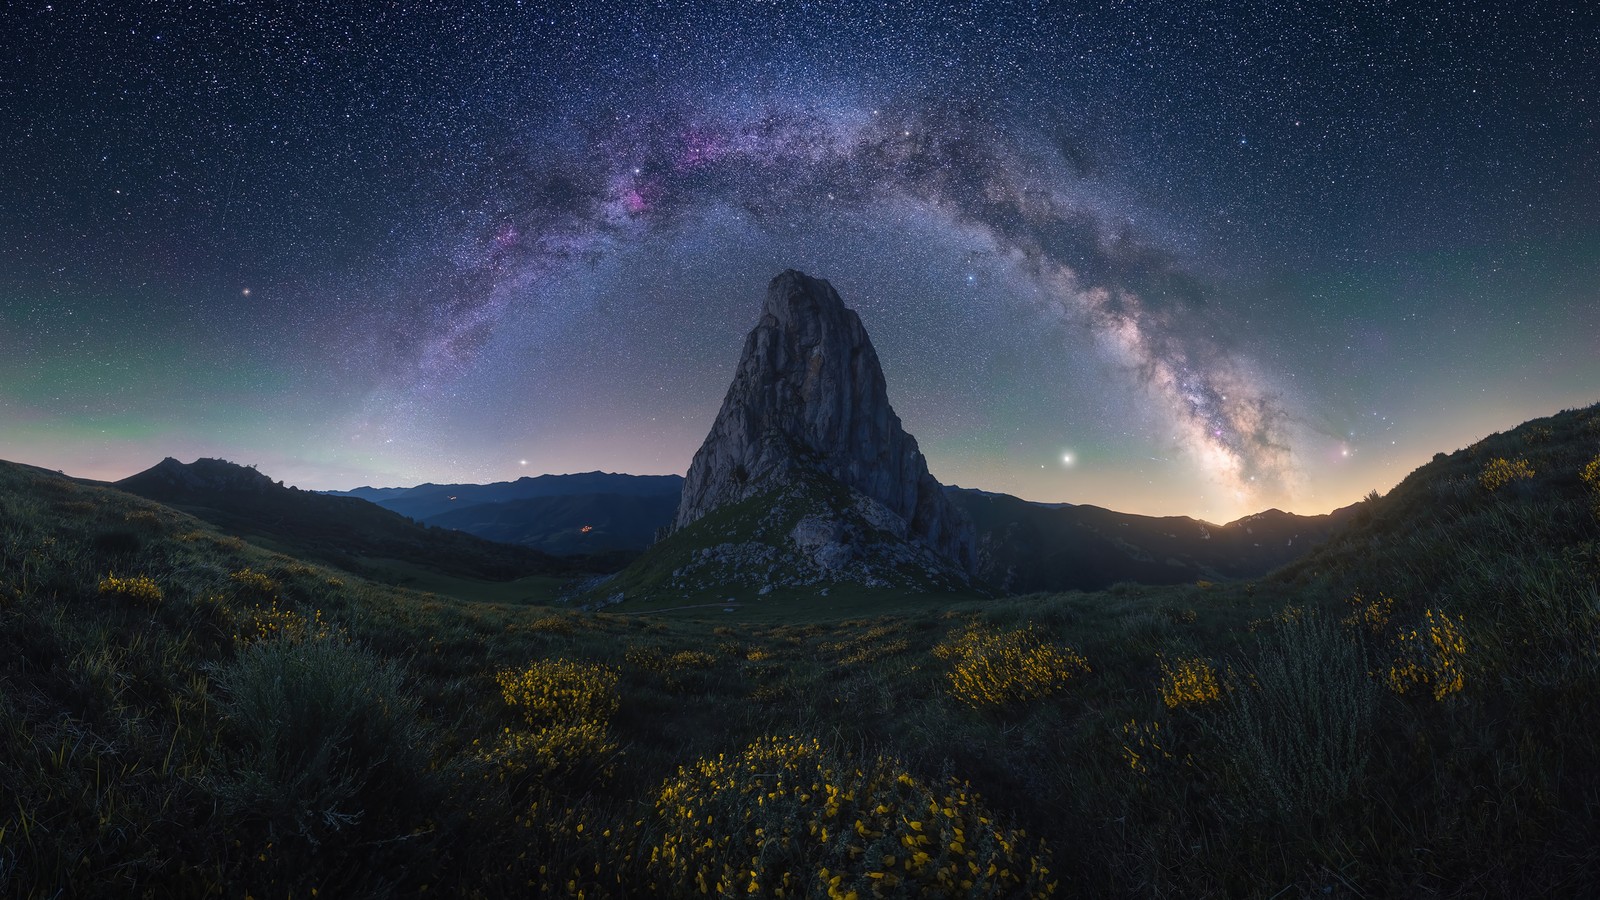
{"points": [[623, 179]]}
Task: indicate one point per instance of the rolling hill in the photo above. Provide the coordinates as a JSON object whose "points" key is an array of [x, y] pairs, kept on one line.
{"points": [[343, 531], [1025, 547]]}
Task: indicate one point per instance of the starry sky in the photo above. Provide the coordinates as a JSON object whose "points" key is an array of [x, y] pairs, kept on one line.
{"points": [[1167, 257]]}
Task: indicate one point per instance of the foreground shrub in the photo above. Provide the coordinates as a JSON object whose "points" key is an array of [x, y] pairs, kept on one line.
{"points": [[327, 739], [560, 690], [788, 818], [274, 622], [257, 583], [1147, 747], [1188, 681], [138, 588], [1373, 615], [1590, 474], [1005, 668], [1294, 736], [1431, 655], [575, 755], [1500, 471]]}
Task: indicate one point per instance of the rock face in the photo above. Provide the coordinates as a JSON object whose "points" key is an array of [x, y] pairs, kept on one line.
{"points": [[809, 395]]}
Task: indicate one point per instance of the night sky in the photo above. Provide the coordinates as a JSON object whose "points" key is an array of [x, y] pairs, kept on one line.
{"points": [[1166, 257]]}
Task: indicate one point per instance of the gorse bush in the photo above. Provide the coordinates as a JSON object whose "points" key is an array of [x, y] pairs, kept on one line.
{"points": [[138, 588], [1500, 471], [260, 623], [258, 583], [555, 756], [1372, 615], [568, 706], [992, 669], [1590, 474], [1431, 655], [788, 818], [1149, 746], [1188, 681], [560, 690]]}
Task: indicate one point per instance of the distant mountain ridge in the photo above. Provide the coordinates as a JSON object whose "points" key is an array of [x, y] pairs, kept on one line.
{"points": [[340, 530], [1025, 546], [425, 501], [1021, 546], [587, 512]]}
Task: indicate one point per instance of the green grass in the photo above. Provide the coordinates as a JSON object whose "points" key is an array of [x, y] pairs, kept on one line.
{"points": [[540, 589], [310, 729]]}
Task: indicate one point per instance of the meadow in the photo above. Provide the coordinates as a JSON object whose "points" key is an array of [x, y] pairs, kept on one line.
{"points": [[1405, 711]]}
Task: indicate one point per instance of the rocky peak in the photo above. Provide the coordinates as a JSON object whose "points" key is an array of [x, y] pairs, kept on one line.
{"points": [[172, 477], [809, 394]]}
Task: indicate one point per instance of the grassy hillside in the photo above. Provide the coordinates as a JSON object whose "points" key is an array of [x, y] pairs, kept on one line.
{"points": [[1026, 547], [569, 524], [344, 531], [1404, 712]]}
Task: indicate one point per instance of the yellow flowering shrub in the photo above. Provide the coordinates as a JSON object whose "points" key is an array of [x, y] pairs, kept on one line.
{"points": [[1591, 474], [651, 659], [560, 690], [257, 582], [876, 643], [1146, 746], [578, 752], [568, 705], [261, 623], [1372, 615], [691, 659], [138, 588], [1004, 668], [1501, 471], [788, 818], [1429, 656], [1188, 681]]}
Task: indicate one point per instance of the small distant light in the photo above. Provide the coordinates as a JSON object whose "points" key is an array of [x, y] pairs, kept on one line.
{"points": [[522, 462], [245, 292], [1066, 459]]}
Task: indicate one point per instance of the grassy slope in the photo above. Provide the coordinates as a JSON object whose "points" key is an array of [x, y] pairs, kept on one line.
{"points": [[647, 582], [1027, 547], [1308, 776], [343, 531], [555, 524]]}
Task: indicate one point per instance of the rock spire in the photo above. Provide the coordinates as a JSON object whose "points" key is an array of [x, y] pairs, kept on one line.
{"points": [[809, 394]]}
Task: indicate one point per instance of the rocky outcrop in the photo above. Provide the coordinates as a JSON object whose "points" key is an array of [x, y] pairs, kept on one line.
{"points": [[171, 479], [809, 395]]}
